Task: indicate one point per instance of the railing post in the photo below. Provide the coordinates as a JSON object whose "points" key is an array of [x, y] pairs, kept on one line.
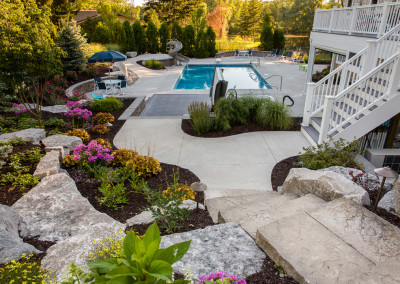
{"points": [[326, 118], [353, 18], [395, 76], [384, 19], [368, 59], [332, 18], [308, 104]]}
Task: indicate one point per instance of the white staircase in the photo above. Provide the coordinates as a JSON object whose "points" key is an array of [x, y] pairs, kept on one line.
{"points": [[358, 96]]}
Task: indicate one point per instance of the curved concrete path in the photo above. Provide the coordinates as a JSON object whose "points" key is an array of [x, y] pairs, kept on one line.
{"points": [[242, 161]]}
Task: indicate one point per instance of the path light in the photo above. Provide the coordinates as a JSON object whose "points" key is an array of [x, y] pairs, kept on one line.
{"points": [[198, 187], [385, 172]]}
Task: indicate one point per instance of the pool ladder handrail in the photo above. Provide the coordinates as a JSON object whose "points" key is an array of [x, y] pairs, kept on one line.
{"points": [[257, 61], [274, 75]]}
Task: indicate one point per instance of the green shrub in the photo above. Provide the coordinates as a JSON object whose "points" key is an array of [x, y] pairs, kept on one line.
{"points": [[19, 181], [54, 122], [329, 154], [106, 105], [123, 157], [252, 104], [230, 111], [152, 63], [100, 129], [102, 118], [113, 195], [31, 156], [26, 122], [145, 166], [275, 115], [17, 141], [54, 132], [25, 270], [113, 46], [200, 117]]}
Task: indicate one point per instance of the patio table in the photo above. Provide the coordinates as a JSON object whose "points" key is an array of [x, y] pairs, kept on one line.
{"points": [[113, 84]]}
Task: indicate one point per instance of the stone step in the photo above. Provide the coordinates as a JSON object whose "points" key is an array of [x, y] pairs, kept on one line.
{"points": [[338, 242], [252, 216], [309, 252], [215, 193], [372, 236], [215, 205]]}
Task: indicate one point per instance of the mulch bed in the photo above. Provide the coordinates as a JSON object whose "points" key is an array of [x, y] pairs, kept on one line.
{"points": [[236, 129], [281, 171]]}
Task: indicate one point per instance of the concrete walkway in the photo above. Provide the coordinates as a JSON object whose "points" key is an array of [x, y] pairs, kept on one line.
{"points": [[242, 161]]}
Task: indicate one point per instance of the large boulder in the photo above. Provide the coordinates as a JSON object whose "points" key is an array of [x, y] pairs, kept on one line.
{"points": [[11, 245], [69, 143], [76, 249], [48, 165], [33, 135], [326, 185], [387, 201], [54, 210]]}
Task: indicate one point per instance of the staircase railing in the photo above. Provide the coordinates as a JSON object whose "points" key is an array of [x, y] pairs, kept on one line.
{"points": [[359, 98], [350, 71]]}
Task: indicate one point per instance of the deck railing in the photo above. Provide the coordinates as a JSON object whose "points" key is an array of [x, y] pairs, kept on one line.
{"points": [[369, 20]]}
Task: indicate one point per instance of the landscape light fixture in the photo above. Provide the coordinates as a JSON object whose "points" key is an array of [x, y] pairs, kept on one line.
{"points": [[198, 187], [385, 172]]}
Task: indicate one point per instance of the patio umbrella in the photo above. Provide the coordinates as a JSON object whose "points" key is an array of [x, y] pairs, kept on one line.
{"points": [[107, 56]]}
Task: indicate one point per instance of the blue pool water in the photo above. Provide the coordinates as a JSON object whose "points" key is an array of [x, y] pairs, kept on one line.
{"points": [[238, 76]]}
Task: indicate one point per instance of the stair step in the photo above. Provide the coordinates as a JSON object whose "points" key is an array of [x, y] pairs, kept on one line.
{"points": [[252, 216], [312, 132], [215, 205], [365, 231], [335, 243], [318, 120], [215, 193]]}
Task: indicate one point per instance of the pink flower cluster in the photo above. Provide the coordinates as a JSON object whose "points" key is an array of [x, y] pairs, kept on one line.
{"points": [[222, 276], [76, 96], [72, 105], [79, 113], [19, 108], [92, 152]]}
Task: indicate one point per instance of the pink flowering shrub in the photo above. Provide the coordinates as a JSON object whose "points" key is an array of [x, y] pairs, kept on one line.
{"points": [[71, 75], [220, 278], [78, 115], [19, 108], [73, 104], [77, 96], [92, 154], [54, 94]]}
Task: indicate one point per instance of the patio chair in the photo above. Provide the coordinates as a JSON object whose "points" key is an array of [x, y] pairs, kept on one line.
{"points": [[121, 86], [250, 52], [279, 54], [103, 87], [288, 56], [97, 97], [273, 53], [121, 77], [299, 58], [96, 80], [236, 52]]}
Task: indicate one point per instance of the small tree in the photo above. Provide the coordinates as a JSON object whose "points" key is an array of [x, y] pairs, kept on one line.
{"points": [[101, 34], [188, 41], [176, 31], [140, 37], [129, 42], [267, 34], [201, 45], [210, 42], [152, 37], [279, 39], [164, 36], [73, 44]]}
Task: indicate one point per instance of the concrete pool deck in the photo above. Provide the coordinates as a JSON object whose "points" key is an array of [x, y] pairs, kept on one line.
{"points": [[242, 161]]}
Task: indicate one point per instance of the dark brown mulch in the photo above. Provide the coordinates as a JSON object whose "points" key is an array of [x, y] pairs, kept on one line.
{"points": [[38, 244], [141, 64], [269, 274], [236, 129], [136, 201], [281, 171], [10, 196]]}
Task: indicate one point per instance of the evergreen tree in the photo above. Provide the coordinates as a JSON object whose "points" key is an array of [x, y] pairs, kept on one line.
{"points": [[201, 45], [176, 32], [164, 36], [129, 43], [173, 10], [73, 44], [88, 28], [140, 37], [267, 34], [210, 42], [188, 41], [101, 34], [244, 23], [253, 16], [279, 39], [151, 15], [152, 38]]}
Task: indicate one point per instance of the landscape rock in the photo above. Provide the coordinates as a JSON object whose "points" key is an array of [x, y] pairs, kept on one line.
{"points": [[146, 217], [60, 150], [55, 108], [326, 185], [371, 181], [11, 245], [387, 201], [131, 54], [48, 165], [33, 135], [54, 210], [69, 143], [76, 249], [224, 247]]}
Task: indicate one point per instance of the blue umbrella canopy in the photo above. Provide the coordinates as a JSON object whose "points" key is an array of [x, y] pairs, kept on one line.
{"points": [[107, 56]]}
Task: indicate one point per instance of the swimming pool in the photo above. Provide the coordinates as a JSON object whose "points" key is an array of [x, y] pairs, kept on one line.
{"points": [[239, 76]]}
